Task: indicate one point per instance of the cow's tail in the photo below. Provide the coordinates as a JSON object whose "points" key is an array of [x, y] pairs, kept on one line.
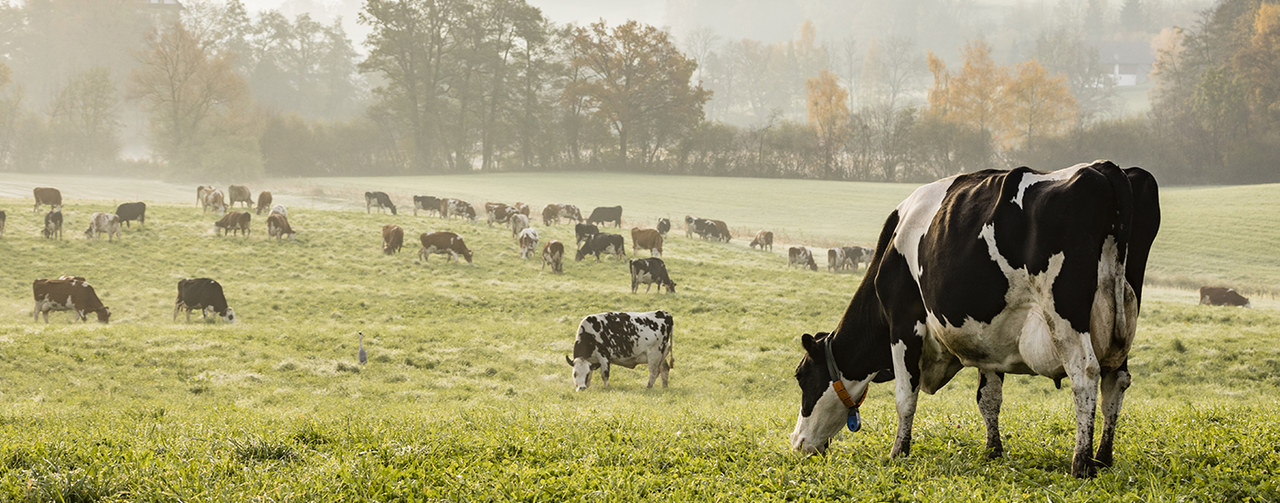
{"points": [[1122, 231]]}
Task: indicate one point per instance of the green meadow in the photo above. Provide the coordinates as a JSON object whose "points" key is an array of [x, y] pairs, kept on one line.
{"points": [[466, 395]]}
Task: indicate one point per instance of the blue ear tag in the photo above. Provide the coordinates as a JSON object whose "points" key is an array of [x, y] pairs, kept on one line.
{"points": [[853, 422]]}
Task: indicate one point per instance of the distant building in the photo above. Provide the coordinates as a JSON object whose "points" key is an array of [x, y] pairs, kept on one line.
{"points": [[1130, 61], [161, 12]]}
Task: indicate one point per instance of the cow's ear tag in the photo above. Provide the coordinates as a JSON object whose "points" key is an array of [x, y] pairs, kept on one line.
{"points": [[853, 421]]}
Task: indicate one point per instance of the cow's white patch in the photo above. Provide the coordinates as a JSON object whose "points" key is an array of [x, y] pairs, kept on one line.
{"points": [[813, 433], [1030, 179], [915, 214]]}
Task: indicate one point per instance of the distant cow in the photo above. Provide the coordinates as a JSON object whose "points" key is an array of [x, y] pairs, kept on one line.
{"points": [[278, 226], [53, 224], [392, 239], [496, 212], [647, 239], [426, 203], [2, 219], [553, 253], [264, 202], [380, 200], [625, 339], [664, 226], [835, 259], [528, 241], [521, 208], [650, 271], [763, 239], [457, 208], [205, 295], [47, 195], [609, 244], [800, 256], [103, 223], [235, 221], [202, 193], [518, 224], [605, 214], [570, 212], [132, 211], [704, 228], [584, 232], [722, 229], [70, 294], [215, 201], [853, 255], [1222, 296], [239, 194], [444, 243], [280, 209], [551, 214]]}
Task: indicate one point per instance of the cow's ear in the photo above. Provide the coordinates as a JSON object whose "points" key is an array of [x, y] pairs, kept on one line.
{"points": [[809, 344]]}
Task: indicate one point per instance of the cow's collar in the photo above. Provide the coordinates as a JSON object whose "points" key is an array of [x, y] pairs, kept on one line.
{"points": [[839, 384]]}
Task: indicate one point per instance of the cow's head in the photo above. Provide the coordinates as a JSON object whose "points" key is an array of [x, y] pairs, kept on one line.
{"points": [[822, 410], [104, 314], [228, 316], [582, 252], [671, 286], [581, 371]]}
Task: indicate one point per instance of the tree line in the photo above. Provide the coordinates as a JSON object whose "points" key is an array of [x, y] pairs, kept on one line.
{"points": [[452, 86]]}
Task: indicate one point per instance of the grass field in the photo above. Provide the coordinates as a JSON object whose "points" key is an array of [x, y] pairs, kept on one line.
{"points": [[466, 396]]}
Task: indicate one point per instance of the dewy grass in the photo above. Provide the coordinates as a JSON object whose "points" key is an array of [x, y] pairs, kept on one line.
{"points": [[466, 395]]}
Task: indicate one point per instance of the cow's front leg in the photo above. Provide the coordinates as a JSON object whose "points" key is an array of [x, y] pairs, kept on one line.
{"points": [[1114, 384], [604, 374], [990, 395], [905, 393]]}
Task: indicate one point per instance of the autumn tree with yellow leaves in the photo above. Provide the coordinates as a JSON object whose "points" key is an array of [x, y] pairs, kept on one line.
{"points": [[829, 115]]}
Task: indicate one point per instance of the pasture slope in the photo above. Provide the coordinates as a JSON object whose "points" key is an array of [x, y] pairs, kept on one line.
{"points": [[466, 396]]}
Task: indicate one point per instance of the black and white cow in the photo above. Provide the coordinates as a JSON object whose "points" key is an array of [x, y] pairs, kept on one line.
{"points": [[626, 339], [650, 271], [426, 203], [205, 295], [584, 232], [854, 255], [664, 226], [380, 200], [1008, 271], [608, 244]]}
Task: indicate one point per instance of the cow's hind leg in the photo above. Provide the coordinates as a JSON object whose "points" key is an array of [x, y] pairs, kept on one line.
{"points": [[990, 395], [1114, 384], [1076, 351]]}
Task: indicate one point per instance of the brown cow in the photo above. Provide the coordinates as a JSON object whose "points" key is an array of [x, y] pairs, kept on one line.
{"points": [[264, 202], [444, 243], [235, 221], [277, 226], [239, 194], [215, 200], [722, 229], [47, 195], [72, 294], [392, 239], [1222, 296], [553, 253], [648, 239], [550, 214], [763, 239], [521, 208], [497, 212]]}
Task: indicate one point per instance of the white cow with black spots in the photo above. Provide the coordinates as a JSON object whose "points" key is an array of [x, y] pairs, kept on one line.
{"points": [[626, 339]]}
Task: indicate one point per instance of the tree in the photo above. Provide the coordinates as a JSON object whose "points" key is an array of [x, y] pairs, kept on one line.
{"points": [[829, 115], [200, 109], [639, 83], [1039, 105], [84, 120]]}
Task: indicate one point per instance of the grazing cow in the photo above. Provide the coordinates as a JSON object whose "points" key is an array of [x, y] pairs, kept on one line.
{"points": [[528, 241], [215, 201], [664, 226], [444, 243], [763, 239], [205, 295], [1222, 296], [521, 208], [609, 244], [800, 256], [392, 239], [279, 209], [570, 212], [457, 208], [239, 194], [551, 214], [553, 253], [103, 223], [722, 230], [202, 195], [496, 212], [853, 255], [2, 218], [1008, 271], [278, 226], [69, 293], [704, 228], [426, 203], [835, 259], [626, 339], [648, 239], [604, 214], [380, 200], [584, 232], [53, 224], [264, 202], [132, 211], [235, 221], [650, 271], [47, 195], [518, 224]]}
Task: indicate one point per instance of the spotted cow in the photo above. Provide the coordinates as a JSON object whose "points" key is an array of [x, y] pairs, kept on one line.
{"points": [[278, 226], [624, 339], [650, 271], [444, 243], [799, 256], [553, 254], [528, 241], [52, 224], [664, 226], [1017, 272], [380, 200], [426, 203], [68, 293], [763, 239], [608, 244], [103, 223]]}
